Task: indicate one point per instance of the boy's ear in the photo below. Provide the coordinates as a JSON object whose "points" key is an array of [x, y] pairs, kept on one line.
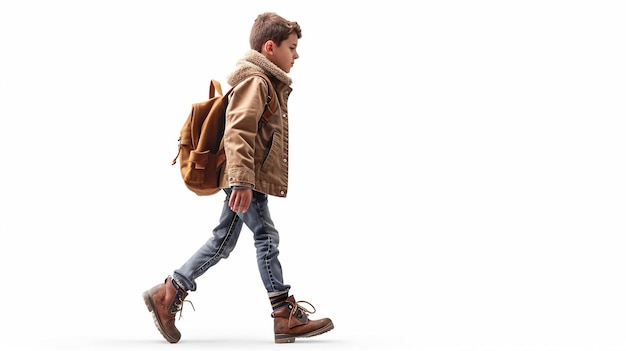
{"points": [[268, 47]]}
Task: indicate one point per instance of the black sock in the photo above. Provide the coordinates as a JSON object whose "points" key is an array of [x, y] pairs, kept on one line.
{"points": [[279, 301]]}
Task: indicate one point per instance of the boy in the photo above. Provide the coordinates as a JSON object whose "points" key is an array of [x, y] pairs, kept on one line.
{"points": [[256, 166]]}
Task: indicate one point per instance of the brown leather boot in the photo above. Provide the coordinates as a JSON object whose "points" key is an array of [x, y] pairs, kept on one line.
{"points": [[292, 321], [164, 301]]}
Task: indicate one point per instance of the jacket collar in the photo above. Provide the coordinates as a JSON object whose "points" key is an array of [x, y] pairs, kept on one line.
{"points": [[254, 61]]}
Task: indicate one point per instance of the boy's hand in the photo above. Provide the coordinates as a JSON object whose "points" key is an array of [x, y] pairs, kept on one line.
{"points": [[240, 200]]}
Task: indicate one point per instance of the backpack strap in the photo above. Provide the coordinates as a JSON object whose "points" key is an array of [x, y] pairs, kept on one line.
{"points": [[215, 87]]}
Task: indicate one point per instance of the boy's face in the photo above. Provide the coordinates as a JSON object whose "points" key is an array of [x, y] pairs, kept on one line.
{"points": [[284, 55]]}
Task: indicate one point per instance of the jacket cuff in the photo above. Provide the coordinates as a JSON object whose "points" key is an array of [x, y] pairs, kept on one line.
{"points": [[240, 187]]}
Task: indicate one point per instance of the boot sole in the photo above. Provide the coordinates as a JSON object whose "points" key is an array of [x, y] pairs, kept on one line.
{"points": [[147, 299], [290, 338]]}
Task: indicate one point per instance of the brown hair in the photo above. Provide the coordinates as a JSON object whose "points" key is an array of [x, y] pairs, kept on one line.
{"points": [[270, 26]]}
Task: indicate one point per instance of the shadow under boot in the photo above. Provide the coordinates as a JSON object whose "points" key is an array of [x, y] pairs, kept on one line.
{"points": [[164, 301], [292, 321]]}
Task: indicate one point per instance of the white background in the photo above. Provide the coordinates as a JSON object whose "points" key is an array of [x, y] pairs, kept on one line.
{"points": [[456, 182]]}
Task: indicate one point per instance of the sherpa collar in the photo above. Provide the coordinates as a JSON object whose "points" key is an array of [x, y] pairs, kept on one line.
{"points": [[254, 61]]}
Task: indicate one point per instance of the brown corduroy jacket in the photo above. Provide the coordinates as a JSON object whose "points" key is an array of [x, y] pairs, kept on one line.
{"points": [[257, 151]]}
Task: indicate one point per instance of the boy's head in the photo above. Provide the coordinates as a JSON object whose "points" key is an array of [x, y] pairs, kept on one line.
{"points": [[276, 38]]}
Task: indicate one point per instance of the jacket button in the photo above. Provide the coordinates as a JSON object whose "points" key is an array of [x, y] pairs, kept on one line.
{"points": [[284, 160]]}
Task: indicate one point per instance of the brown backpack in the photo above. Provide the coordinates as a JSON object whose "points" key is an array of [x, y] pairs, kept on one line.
{"points": [[200, 146]]}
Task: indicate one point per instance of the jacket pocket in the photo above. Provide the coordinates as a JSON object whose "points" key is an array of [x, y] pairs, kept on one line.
{"points": [[269, 154]]}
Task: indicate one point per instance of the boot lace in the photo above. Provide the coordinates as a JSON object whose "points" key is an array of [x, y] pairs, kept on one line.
{"points": [[298, 307], [177, 306]]}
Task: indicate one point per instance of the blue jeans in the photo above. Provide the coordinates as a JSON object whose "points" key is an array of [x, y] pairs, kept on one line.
{"points": [[224, 239]]}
